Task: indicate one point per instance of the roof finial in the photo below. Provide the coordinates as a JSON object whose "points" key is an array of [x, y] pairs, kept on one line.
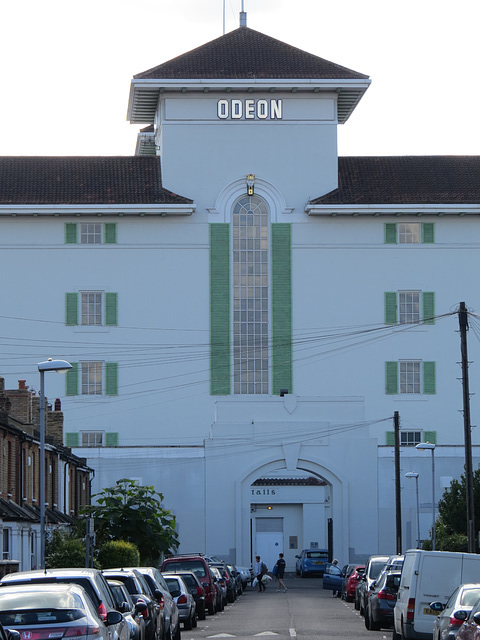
{"points": [[243, 17]]}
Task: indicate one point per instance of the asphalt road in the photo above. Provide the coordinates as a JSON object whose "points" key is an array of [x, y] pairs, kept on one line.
{"points": [[305, 611]]}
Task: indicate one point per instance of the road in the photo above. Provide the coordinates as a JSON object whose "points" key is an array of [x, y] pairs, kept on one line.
{"points": [[305, 611]]}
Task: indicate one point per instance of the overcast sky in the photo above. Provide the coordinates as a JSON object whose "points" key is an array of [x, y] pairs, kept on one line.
{"points": [[66, 67]]}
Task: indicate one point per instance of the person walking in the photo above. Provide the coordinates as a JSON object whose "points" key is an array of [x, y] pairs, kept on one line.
{"points": [[279, 571], [260, 570]]}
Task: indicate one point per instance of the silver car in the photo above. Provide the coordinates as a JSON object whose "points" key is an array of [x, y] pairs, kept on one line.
{"points": [[59, 609], [183, 598]]}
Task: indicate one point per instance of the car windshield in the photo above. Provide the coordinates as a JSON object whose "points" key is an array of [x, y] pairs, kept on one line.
{"points": [[41, 616], [40, 600], [470, 597], [196, 566], [375, 568]]}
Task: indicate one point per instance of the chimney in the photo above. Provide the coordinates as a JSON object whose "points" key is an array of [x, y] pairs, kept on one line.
{"points": [[243, 19], [58, 404], [22, 386]]}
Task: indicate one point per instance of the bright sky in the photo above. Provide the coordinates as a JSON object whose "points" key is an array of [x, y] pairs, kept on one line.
{"points": [[66, 67]]}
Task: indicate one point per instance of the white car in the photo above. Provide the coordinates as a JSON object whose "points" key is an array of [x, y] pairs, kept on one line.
{"points": [[60, 609]]}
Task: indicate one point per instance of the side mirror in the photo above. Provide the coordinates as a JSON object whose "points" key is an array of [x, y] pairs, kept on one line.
{"points": [[476, 618], [462, 614], [437, 606], [140, 606], [113, 617]]}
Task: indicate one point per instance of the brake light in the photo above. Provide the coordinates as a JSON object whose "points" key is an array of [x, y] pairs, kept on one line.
{"points": [[454, 622], [161, 601], [384, 595], [72, 632], [411, 609], [182, 599], [102, 612]]}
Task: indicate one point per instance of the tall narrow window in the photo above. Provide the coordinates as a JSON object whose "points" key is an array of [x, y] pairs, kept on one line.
{"points": [[91, 378], [250, 296], [91, 307], [409, 307]]}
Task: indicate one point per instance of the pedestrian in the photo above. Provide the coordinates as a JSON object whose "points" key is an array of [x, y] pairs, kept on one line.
{"points": [[260, 570], [279, 571], [335, 592]]}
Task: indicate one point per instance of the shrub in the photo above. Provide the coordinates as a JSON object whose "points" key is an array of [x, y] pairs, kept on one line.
{"points": [[118, 553]]}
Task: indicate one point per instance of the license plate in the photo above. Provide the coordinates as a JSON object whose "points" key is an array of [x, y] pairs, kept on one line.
{"points": [[317, 563], [430, 612]]}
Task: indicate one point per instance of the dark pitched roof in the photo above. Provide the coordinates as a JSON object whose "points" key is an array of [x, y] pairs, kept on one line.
{"points": [[83, 180], [406, 180], [246, 53]]}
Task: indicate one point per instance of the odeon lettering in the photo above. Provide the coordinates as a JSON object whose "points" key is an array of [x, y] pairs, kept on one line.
{"points": [[249, 109]]}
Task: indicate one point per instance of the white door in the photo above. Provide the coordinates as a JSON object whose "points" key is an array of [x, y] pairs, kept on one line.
{"points": [[268, 540]]}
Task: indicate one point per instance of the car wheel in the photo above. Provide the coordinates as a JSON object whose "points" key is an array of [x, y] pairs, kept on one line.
{"points": [[178, 633], [212, 609], [201, 614], [367, 621], [395, 635], [357, 603], [362, 609], [194, 620], [187, 624]]}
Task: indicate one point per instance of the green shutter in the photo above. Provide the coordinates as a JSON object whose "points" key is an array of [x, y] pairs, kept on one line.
{"points": [[390, 233], [71, 309], [72, 439], [70, 233], [110, 233], [428, 307], [111, 439], [71, 380], [281, 280], [430, 436], [111, 306], [390, 438], [429, 382], [391, 378], [428, 235], [390, 307], [111, 378], [220, 374]]}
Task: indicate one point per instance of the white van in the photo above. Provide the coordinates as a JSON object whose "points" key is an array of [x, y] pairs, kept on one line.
{"points": [[429, 576]]}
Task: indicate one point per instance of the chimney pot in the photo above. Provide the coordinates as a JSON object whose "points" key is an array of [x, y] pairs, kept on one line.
{"points": [[22, 385], [58, 404]]}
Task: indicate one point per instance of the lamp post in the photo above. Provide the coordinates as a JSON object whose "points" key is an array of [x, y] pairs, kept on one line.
{"points": [[60, 366], [427, 446], [414, 474]]}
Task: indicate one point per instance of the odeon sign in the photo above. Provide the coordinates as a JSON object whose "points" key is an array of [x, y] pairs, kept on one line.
{"points": [[249, 109]]}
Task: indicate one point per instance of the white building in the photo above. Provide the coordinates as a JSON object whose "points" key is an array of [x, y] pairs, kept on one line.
{"points": [[243, 345]]}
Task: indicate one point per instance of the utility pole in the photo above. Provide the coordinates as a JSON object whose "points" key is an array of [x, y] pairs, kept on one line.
{"points": [[398, 499], [463, 322]]}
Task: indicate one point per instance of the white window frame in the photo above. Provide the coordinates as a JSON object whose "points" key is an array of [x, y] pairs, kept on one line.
{"points": [[91, 233], [91, 378], [91, 308], [92, 438], [409, 232], [410, 438], [409, 307], [6, 543], [410, 377]]}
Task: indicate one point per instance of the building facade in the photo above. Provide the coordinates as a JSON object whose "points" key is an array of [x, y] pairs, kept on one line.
{"points": [[67, 477], [245, 311]]}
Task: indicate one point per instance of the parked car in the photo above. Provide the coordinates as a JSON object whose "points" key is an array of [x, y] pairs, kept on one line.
{"points": [[221, 588], [372, 570], [183, 599], [381, 601], [333, 577], [138, 588], [54, 611], [246, 575], [197, 591], [158, 586], [237, 579], [134, 613], [455, 611], [352, 576], [231, 589], [311, 562], [200, 568], [92, 580], [423, 573]]}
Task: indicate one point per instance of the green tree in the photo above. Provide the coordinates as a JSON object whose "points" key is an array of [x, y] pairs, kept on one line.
{"points": [[118, 553], [64, 550], [131, 512], [451, 524]]}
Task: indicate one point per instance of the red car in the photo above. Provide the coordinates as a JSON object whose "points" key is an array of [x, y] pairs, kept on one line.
{"points": [[352, 575]]}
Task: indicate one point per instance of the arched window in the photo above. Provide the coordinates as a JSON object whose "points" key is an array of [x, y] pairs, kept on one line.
{"points": [[250, 224]]}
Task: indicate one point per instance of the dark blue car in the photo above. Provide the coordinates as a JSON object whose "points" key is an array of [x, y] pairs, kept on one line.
{"points": [[311, 562]]}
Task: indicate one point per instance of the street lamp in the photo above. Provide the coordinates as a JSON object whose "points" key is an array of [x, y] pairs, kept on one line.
{"points": [[60, 366], [414, 474], [424, 446]]}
